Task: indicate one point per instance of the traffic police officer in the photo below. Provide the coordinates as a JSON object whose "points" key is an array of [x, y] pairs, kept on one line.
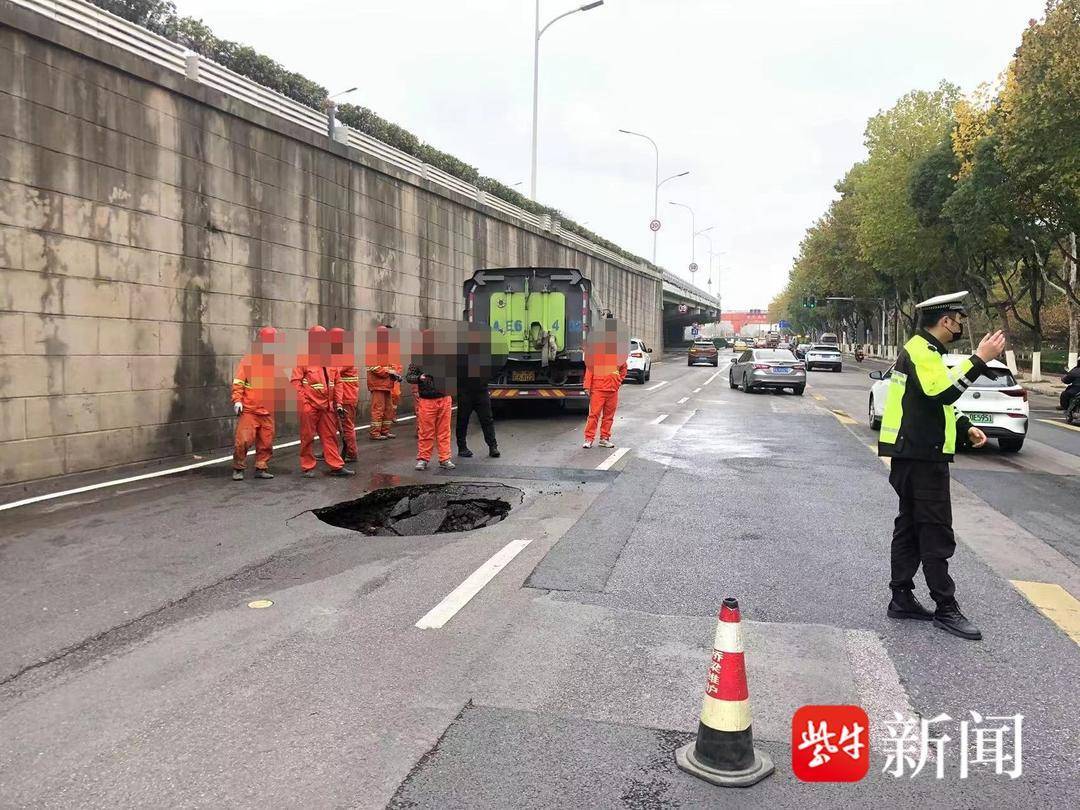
{"points": [[919, 432]]}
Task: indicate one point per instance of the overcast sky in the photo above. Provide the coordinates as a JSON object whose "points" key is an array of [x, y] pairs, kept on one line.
{"points": [[763, 102]]}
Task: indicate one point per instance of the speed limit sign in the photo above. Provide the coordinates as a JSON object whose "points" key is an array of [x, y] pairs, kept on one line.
{"points": [[654, 225], [693, 267]]}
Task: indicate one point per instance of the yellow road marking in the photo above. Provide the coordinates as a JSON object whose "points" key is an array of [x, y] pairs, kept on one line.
{"points": [[843, 418], [1060, 425], [1054, 602], [818, 397]]}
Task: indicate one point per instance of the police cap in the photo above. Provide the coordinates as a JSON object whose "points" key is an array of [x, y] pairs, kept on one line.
{"points": [[950, 302]]}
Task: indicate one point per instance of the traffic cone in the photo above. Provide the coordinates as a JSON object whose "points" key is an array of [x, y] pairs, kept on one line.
{"points": [[724, 752]]}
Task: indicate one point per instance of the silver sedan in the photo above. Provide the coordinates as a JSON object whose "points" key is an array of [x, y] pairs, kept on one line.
{"points": [[767, 368]]}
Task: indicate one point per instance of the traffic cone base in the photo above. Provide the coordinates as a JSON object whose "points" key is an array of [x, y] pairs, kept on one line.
{"points": [[760, 767]]}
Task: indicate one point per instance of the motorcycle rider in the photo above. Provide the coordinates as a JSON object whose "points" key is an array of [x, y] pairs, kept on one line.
{"points": [[1072, 383]]}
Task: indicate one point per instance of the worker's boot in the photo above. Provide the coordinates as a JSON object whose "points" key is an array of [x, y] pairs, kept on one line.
{"points": [[342, 471], [309, 473], [904, 605], [237, 475], [263, 474], [464, 452], [493, 451], [421, 464], [389, 435], [606, 443], [448, 465], [948, 617]]}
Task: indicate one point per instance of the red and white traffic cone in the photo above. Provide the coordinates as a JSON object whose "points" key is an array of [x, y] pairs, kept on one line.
{"points": [[724, 752]]}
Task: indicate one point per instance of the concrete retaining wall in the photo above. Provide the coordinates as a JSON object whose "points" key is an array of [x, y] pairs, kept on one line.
{"points": [[148, 226]]}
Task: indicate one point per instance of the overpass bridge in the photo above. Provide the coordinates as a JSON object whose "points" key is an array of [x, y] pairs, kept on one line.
{"points": [[685, 305]]}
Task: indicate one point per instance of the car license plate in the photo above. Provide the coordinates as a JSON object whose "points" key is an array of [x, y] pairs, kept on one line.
{"points": [[523, 376], [781, 370], [981, 418]]}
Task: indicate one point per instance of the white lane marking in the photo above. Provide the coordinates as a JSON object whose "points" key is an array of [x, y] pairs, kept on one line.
{"points": [[659, 419], [697, 391], [156, 474], [681, 401], [658, 385], [460, 596], [713, 377], [609, 462]]}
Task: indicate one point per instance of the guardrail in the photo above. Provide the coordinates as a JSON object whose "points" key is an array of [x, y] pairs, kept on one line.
{"points": [[127, 36]]}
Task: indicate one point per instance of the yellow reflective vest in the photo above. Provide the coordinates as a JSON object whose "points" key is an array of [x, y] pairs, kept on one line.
{"points": [[920, 420]]}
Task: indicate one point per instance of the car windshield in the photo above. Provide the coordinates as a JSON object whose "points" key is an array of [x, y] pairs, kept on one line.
{"points": [[1003, 380], [704, 344], [824, 348], [773, 354]]}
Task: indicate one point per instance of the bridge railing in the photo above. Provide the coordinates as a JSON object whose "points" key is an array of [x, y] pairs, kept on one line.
{"points": [[127, 36]]}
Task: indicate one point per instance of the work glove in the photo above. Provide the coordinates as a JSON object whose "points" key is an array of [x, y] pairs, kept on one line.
{"points": [[238, 408], [395, 376]]}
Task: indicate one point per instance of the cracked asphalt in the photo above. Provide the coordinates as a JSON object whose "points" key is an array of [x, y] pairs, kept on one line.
{"points": [[133, 673]]}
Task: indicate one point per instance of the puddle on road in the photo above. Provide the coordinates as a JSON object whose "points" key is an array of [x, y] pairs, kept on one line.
{"points": [[410, 511]]}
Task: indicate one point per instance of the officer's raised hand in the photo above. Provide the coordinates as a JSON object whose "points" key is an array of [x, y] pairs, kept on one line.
{"points": [[990, 347], [976, 437]]}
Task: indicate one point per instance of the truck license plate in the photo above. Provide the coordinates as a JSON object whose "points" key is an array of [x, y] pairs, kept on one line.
{"points": [[981, 418], [523, 376]]}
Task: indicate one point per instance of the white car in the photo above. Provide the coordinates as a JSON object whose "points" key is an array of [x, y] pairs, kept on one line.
{"points": [[999, 407], [823, 355], [639, 361]]}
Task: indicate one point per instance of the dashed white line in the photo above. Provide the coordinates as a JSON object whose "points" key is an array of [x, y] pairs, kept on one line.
{"points": [[460, 596], [713, 377], [658, 385], [681, 401], [659, 419], [156, 474], [609, 462], [697, 390]]}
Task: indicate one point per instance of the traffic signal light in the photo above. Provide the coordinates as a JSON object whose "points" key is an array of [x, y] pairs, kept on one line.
{"points": [[813, 301], [809, 301]]}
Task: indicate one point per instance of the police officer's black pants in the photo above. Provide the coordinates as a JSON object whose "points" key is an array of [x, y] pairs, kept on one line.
{"points": [[923, 529], [479, 401]]}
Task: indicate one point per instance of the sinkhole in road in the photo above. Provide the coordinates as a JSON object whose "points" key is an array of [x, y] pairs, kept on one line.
{"points": [[424, 509]]}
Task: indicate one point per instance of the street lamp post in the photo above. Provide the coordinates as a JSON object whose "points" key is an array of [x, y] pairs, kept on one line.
{"points": [[656, 187], [330, 107], [536, 74], [693, 233]]}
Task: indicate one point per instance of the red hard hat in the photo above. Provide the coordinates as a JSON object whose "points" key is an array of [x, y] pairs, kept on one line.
{"points": [[268, 334], [316, 329], [337, 334]]}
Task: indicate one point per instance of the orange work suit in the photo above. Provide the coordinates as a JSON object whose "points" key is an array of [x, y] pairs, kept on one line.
{"points": [[603, 386], [383, 399], [317, 400], [349, 386], [433, 427], [253, 386]]}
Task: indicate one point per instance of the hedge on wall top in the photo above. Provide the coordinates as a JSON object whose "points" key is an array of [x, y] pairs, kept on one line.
{"points": [[160, 17]]}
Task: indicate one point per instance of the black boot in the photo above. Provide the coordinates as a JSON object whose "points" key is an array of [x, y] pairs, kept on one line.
{"points": [[948, 617], [464, 452], [904, 605], [493, 451]]}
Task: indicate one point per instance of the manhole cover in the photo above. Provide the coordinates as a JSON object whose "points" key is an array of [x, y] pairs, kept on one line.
{"points": [[420, 510]]}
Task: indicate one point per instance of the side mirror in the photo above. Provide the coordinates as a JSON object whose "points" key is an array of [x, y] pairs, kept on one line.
{"points": [[648, 351], [875, 375]]}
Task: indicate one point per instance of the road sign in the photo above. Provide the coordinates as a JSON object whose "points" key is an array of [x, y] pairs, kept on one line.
{"points": [[694, 330], [654, 225], [784, 325], [683, 309], [693, 267]]}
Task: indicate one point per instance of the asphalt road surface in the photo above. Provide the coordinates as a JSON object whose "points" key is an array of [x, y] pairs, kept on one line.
{"points": [[133, 673]]}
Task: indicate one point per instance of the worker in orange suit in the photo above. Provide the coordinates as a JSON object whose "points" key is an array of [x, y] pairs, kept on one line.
{"points": [[432, 380], [255, 396], [383, 362], [348, 386], [605, 370], [318, 402]]}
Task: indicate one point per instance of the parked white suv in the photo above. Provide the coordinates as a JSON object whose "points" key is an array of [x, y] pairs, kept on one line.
{"points": [[639, 361], [999, 407]]}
